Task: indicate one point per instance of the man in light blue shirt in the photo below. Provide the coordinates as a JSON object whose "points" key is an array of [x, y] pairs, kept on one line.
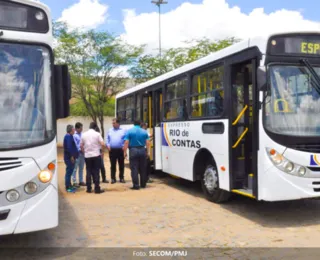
{"points": [[80, 161], [115, 143]]}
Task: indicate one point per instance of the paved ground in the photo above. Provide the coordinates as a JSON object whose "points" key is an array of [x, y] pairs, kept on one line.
{"points": [[172, 213]]}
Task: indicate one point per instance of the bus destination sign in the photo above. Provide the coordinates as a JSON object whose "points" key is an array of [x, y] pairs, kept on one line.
{"points": [[295, 45]]}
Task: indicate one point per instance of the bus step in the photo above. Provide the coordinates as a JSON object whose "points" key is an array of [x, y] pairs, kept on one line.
{"points": [[244, 192]]}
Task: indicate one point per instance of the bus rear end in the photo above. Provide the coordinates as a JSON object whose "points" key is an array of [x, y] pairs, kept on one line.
{"points": [[289, 136]]}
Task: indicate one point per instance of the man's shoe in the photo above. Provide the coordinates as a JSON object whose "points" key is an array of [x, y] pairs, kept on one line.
{"points": [[82, 184], [135, 188], [122, 181], [71, 190], [99, 192], [89, 191], [105, 181], [113, 181], [75, 185]]}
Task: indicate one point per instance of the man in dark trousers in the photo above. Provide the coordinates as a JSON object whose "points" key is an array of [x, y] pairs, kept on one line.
{"points": [[91, 143], [71, 154], [103, 169], [136, 139], [115, 143]]}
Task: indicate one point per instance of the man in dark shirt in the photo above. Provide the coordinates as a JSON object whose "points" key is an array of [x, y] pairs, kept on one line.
{"points": [[71, 153]]}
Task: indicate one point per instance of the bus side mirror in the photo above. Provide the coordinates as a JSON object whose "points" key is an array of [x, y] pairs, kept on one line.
{"points": [[262, 79], [62, 87]]}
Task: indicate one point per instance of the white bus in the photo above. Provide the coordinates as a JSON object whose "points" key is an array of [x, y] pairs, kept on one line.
{"points": [[33, 94], [242, 120]]}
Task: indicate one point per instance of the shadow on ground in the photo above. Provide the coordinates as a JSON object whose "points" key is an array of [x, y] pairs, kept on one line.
{"points": [[295, 213], [62, 241]]}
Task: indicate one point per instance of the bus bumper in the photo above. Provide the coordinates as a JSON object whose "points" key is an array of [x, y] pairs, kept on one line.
{"points": [[276, 185], [37, 213]]}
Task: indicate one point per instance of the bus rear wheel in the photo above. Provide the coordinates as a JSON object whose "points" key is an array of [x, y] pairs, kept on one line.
{"points": [[210, 185]]}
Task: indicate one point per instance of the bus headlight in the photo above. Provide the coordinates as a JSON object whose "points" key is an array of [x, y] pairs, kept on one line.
{"points": [[286, 165], [289, 166], [302, 171], [45, 176], [12, 195], [30, 187]]}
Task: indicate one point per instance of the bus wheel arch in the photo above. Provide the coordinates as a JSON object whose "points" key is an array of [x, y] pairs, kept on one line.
{"points": [[205, 170]]}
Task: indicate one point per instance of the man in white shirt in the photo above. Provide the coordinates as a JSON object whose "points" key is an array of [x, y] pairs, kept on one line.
{"points": [[91, 143]]}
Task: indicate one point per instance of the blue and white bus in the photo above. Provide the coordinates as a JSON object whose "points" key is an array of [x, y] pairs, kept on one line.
{"points": [[33, 94], [241, 120]]}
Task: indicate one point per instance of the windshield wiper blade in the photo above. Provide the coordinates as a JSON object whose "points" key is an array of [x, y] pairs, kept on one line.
{"points": [[313, 73]]}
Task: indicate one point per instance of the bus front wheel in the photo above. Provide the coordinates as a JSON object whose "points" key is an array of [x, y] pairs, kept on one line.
{"points": [[210, 185]]}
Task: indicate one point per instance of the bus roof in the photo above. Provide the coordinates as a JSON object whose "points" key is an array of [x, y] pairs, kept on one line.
{"points": [[35, 3], [260, 42]]}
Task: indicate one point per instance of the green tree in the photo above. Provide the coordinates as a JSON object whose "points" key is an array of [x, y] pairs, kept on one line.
{"points": [[96, 61], [150, 66]]}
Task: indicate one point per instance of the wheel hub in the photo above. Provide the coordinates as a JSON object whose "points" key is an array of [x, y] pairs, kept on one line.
{"points": [[210, 179]]}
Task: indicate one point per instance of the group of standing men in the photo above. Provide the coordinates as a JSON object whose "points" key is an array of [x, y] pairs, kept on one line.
{"points": [[87, 148]]}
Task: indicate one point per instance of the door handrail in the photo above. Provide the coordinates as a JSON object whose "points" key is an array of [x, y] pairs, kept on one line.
{"points": [[240, 138], [240, 115]]}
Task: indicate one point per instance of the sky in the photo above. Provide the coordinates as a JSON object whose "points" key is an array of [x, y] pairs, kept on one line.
{"points": [[137, 21]]}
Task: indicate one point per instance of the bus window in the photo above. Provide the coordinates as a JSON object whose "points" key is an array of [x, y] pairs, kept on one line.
{"points": [[145, 103], [138, 108], [207, 93], [121, 113], [175, 105], [129, 108]]}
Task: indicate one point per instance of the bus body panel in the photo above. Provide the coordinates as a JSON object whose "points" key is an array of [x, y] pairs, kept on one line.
{"points": [[158, 148], [40, 212], [25, 214], [8, 225], [280, 186], [182, 140]]}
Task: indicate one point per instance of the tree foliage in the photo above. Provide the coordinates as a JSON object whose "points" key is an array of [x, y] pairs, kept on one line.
{"points": [[150, 66], [95, 60]]}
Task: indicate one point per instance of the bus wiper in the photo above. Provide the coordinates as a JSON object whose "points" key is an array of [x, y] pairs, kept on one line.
{"points": [[314, 74]]}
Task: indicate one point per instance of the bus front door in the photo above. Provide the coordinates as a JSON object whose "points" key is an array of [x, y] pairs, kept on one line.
{"points": [[243, 157]]}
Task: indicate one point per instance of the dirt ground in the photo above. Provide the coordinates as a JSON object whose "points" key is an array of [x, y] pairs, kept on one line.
{"points": [[172, 213]]}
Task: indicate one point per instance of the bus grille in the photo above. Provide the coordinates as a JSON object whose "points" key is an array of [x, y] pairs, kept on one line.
{"points": [[311, 148], [316, 183], [9, 163]]}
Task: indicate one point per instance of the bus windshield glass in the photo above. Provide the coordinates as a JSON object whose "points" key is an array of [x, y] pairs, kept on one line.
{"points": [[25, 95], [293, 106]]}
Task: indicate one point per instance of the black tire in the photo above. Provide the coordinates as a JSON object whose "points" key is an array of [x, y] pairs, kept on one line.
{"points": [[216, 195]]}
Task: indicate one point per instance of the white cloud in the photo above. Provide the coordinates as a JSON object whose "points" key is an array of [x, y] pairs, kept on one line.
{"points": [[87, 14], [214, 19]]}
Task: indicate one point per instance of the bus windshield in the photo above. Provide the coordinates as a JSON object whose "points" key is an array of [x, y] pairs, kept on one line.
{"points": [[293, 106], [25, 96]]}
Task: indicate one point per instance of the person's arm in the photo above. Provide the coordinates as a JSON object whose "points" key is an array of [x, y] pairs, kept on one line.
{"points": [[108, 140], [101, 141], [148, 147], [69, 147], [81, 145], [125, 148], [126, 144]]}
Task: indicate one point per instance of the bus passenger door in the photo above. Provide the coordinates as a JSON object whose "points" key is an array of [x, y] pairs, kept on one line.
{"points": [[242, 127], [157, 141]]}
